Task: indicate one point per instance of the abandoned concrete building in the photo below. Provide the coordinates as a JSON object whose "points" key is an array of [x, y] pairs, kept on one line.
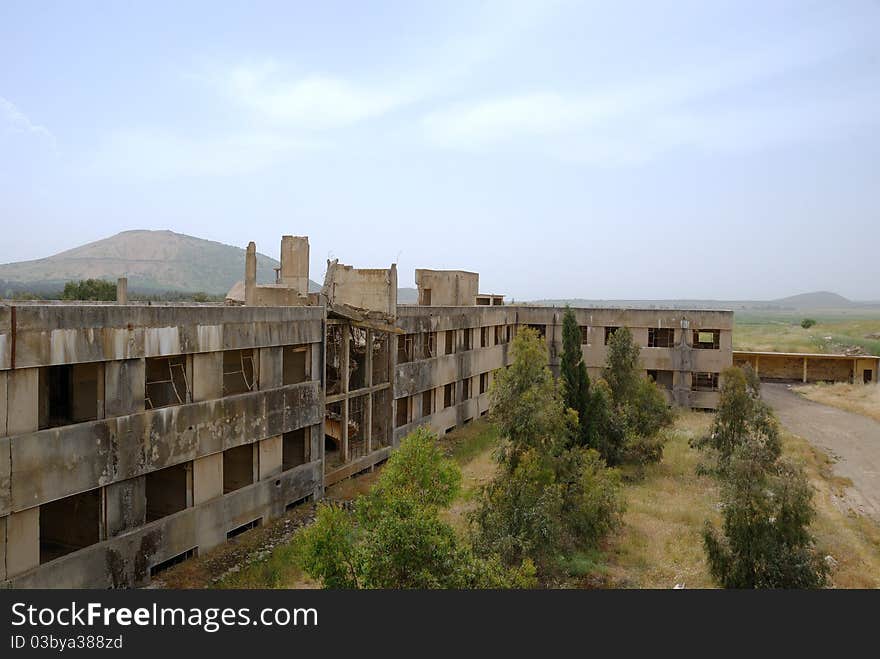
{"points": [[135, 436]]}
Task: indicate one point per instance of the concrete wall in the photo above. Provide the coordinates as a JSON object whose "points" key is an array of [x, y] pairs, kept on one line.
{"points": [[450, 288], [367, 289]]}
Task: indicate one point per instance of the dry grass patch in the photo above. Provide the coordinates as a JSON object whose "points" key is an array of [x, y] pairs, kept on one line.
{"points": [[660, 544], [859, 398]]}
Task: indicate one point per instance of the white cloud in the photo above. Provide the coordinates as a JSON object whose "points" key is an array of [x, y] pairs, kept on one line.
{"points": [[312, 102], [13, 120]]}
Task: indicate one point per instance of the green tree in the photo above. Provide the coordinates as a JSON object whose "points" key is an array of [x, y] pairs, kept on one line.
{"points": [[609, 428], [552, 496], [622, 372], [742, 417], [89, 289], [765, 540], [576, 393], [807, 323], [526, 405], [639, 405]]}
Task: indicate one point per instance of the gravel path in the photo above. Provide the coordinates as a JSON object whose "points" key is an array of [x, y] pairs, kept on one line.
{"points": [[852, 439]]}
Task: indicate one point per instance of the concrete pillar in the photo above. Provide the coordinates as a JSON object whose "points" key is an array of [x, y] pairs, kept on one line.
{"points": [[271, 367], [22, 541], [295, 263], [250, 274], [207, 478], [23, 401], [126, 505], [124, 387], [805, 369], [270, 457], [122, 290], [207, 376]]}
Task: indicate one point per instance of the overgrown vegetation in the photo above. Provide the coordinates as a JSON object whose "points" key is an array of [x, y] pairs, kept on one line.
{"points": [[395, 537], [621, 415], [553, 497], [765, 540]]}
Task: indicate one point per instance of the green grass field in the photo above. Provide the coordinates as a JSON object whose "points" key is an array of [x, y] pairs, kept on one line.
{"points": [[834, 331]]}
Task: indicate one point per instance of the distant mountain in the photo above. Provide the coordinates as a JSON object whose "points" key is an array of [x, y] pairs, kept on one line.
{"points": [[817, 300], [153, 261]]}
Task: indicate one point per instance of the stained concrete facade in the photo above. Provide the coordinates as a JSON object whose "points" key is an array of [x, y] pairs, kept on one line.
{"points": [[133, 436]]}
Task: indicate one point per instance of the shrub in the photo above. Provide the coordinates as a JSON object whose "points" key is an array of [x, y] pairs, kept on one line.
{"points": [[547, 506], [807, 323], [395, 537]]}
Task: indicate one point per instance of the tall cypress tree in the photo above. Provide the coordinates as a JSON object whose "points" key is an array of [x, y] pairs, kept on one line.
{"points": [[575, 379]]}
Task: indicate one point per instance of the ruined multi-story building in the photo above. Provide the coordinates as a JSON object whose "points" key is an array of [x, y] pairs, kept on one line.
{"points": [[135, 436]]}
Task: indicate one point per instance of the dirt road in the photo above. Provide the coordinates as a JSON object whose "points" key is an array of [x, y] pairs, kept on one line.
{"points": [[852, 439]]}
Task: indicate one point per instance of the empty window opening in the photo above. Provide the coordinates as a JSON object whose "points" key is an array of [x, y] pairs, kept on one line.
{"points": [[497, 301], [484, 382], [449, 430], [402, 412], [484, 337], [483, 301], [707, 339], [335, 334], [294, 365], [381, 357], [158, 568], [609, 332], [499, 334], [427, 402], [380, 419], [295, 448], [867, 376], [662, 378], [405, 346], [238, 467], [239, 371], [166, 382], [167, 491], [450, 342], [466, 389], [69, 524], [238, 530], [509, 333], [425, 295], [357, 359], [705, 382], [449, 395], [585, 335], [357, 426], [68, 394], [333, 435], [429, 345], [661, 337], [468, 338]]}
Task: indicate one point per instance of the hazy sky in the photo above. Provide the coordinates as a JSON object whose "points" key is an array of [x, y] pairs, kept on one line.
{"points": [[592, 149]]}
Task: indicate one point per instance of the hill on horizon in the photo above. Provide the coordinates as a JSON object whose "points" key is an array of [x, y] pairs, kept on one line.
{"points": [[153, 261]]}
